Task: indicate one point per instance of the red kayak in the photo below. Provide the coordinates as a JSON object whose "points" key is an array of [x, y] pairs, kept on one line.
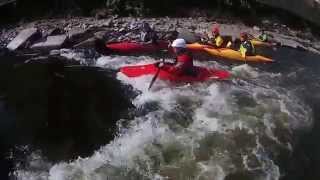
{"points": [[167, 73], [135, 47]]}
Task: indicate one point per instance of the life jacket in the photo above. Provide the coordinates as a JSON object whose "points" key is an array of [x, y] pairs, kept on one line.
{"points": [[185, 58], [247, 48], [184, 64], [222, 41], [217, 41]]}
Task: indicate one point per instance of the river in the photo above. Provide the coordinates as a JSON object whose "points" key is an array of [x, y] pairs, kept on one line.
{"points": [[262, 125]]}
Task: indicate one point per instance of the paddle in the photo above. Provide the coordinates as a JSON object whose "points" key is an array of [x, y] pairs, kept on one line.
{"points": [[155, 76]]}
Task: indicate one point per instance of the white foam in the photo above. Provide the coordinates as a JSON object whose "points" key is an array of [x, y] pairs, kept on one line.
{"points": [[245, 71], [145, 146]]}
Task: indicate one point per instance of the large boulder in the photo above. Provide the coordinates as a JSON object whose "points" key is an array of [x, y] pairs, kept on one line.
{"points": [[23, 37], [52, 42], [308, 9]]}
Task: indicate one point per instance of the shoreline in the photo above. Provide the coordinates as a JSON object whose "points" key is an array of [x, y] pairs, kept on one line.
{"points": [[81, 31]]}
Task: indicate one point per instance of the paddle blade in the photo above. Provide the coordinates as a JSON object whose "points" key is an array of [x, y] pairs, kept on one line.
{"points": [[154, 78]]}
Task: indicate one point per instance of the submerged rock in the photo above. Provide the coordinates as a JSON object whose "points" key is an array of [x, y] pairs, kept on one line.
{"points": [[65, 109]]}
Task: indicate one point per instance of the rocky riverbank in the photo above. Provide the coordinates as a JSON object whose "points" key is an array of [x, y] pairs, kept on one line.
{"points": [[80, 32]]}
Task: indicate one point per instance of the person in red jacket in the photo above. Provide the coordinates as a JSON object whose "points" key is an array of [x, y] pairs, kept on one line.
{"points": [[183, 64]]}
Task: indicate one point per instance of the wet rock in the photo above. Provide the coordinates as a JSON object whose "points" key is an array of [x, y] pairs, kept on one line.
{"points": [[188, 36], [108, 23], [89, 43], [122, 30], [61, 96], [52, 32], [308, 9], [317, 45], [22, 38], [256, 28], [55, 31], [266, 22], [76, 33], [103, 35], [101, 13], [52, 42]]}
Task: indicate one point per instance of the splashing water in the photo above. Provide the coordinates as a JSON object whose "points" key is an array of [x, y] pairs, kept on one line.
{"points": [[200, 131]]}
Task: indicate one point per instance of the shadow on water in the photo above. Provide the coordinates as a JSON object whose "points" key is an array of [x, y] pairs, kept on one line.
{"points": [[65, 111]]}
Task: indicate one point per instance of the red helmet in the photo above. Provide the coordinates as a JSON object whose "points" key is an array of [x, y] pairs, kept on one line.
{"points": [[215, 29], [244, 35]]}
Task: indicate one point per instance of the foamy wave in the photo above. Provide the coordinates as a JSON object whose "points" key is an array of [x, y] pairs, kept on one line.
{"points": [[198, 131]]}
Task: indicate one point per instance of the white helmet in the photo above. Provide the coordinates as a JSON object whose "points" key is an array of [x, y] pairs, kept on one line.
{"points": [[179, 43]]}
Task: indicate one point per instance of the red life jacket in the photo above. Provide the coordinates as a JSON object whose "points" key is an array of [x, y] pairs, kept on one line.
{"points": [[185, 59], [184, 64]]}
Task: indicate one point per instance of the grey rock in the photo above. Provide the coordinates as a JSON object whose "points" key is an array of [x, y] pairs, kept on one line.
{"points": [[188, 36], [5, 2], [129, 34], [101, 35], [307, 9], [55, 31], [52, 42], [86, 44], [266, 22], [102, 13], [316, 46], [52, 32], [256, 28], [108, 23], [22, 38], [122, 30], [75, 33]]}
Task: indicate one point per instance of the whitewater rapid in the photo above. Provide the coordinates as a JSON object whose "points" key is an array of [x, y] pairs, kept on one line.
{"points": [[198, 131]]}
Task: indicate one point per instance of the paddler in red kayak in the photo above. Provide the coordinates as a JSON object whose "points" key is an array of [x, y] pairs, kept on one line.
{"points": [[217, 41], [246, 47], [148, 35], [183, 64]]}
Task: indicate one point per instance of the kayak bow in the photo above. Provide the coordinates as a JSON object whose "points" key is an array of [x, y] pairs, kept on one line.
{"points": [[135, 47]]}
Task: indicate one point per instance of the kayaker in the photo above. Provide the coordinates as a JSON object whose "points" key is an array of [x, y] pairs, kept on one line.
{"points": [[263, 36], [246, 47], [148, 35], [217, 41], [183, 64]]}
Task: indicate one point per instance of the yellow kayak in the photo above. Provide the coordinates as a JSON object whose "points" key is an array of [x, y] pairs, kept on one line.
{"points": [[227, 53], [257, 42], [197, 46], [236, 55]]}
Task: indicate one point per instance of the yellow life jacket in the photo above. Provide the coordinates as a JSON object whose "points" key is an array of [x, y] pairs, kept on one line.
{"points": [[218, 41]]}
